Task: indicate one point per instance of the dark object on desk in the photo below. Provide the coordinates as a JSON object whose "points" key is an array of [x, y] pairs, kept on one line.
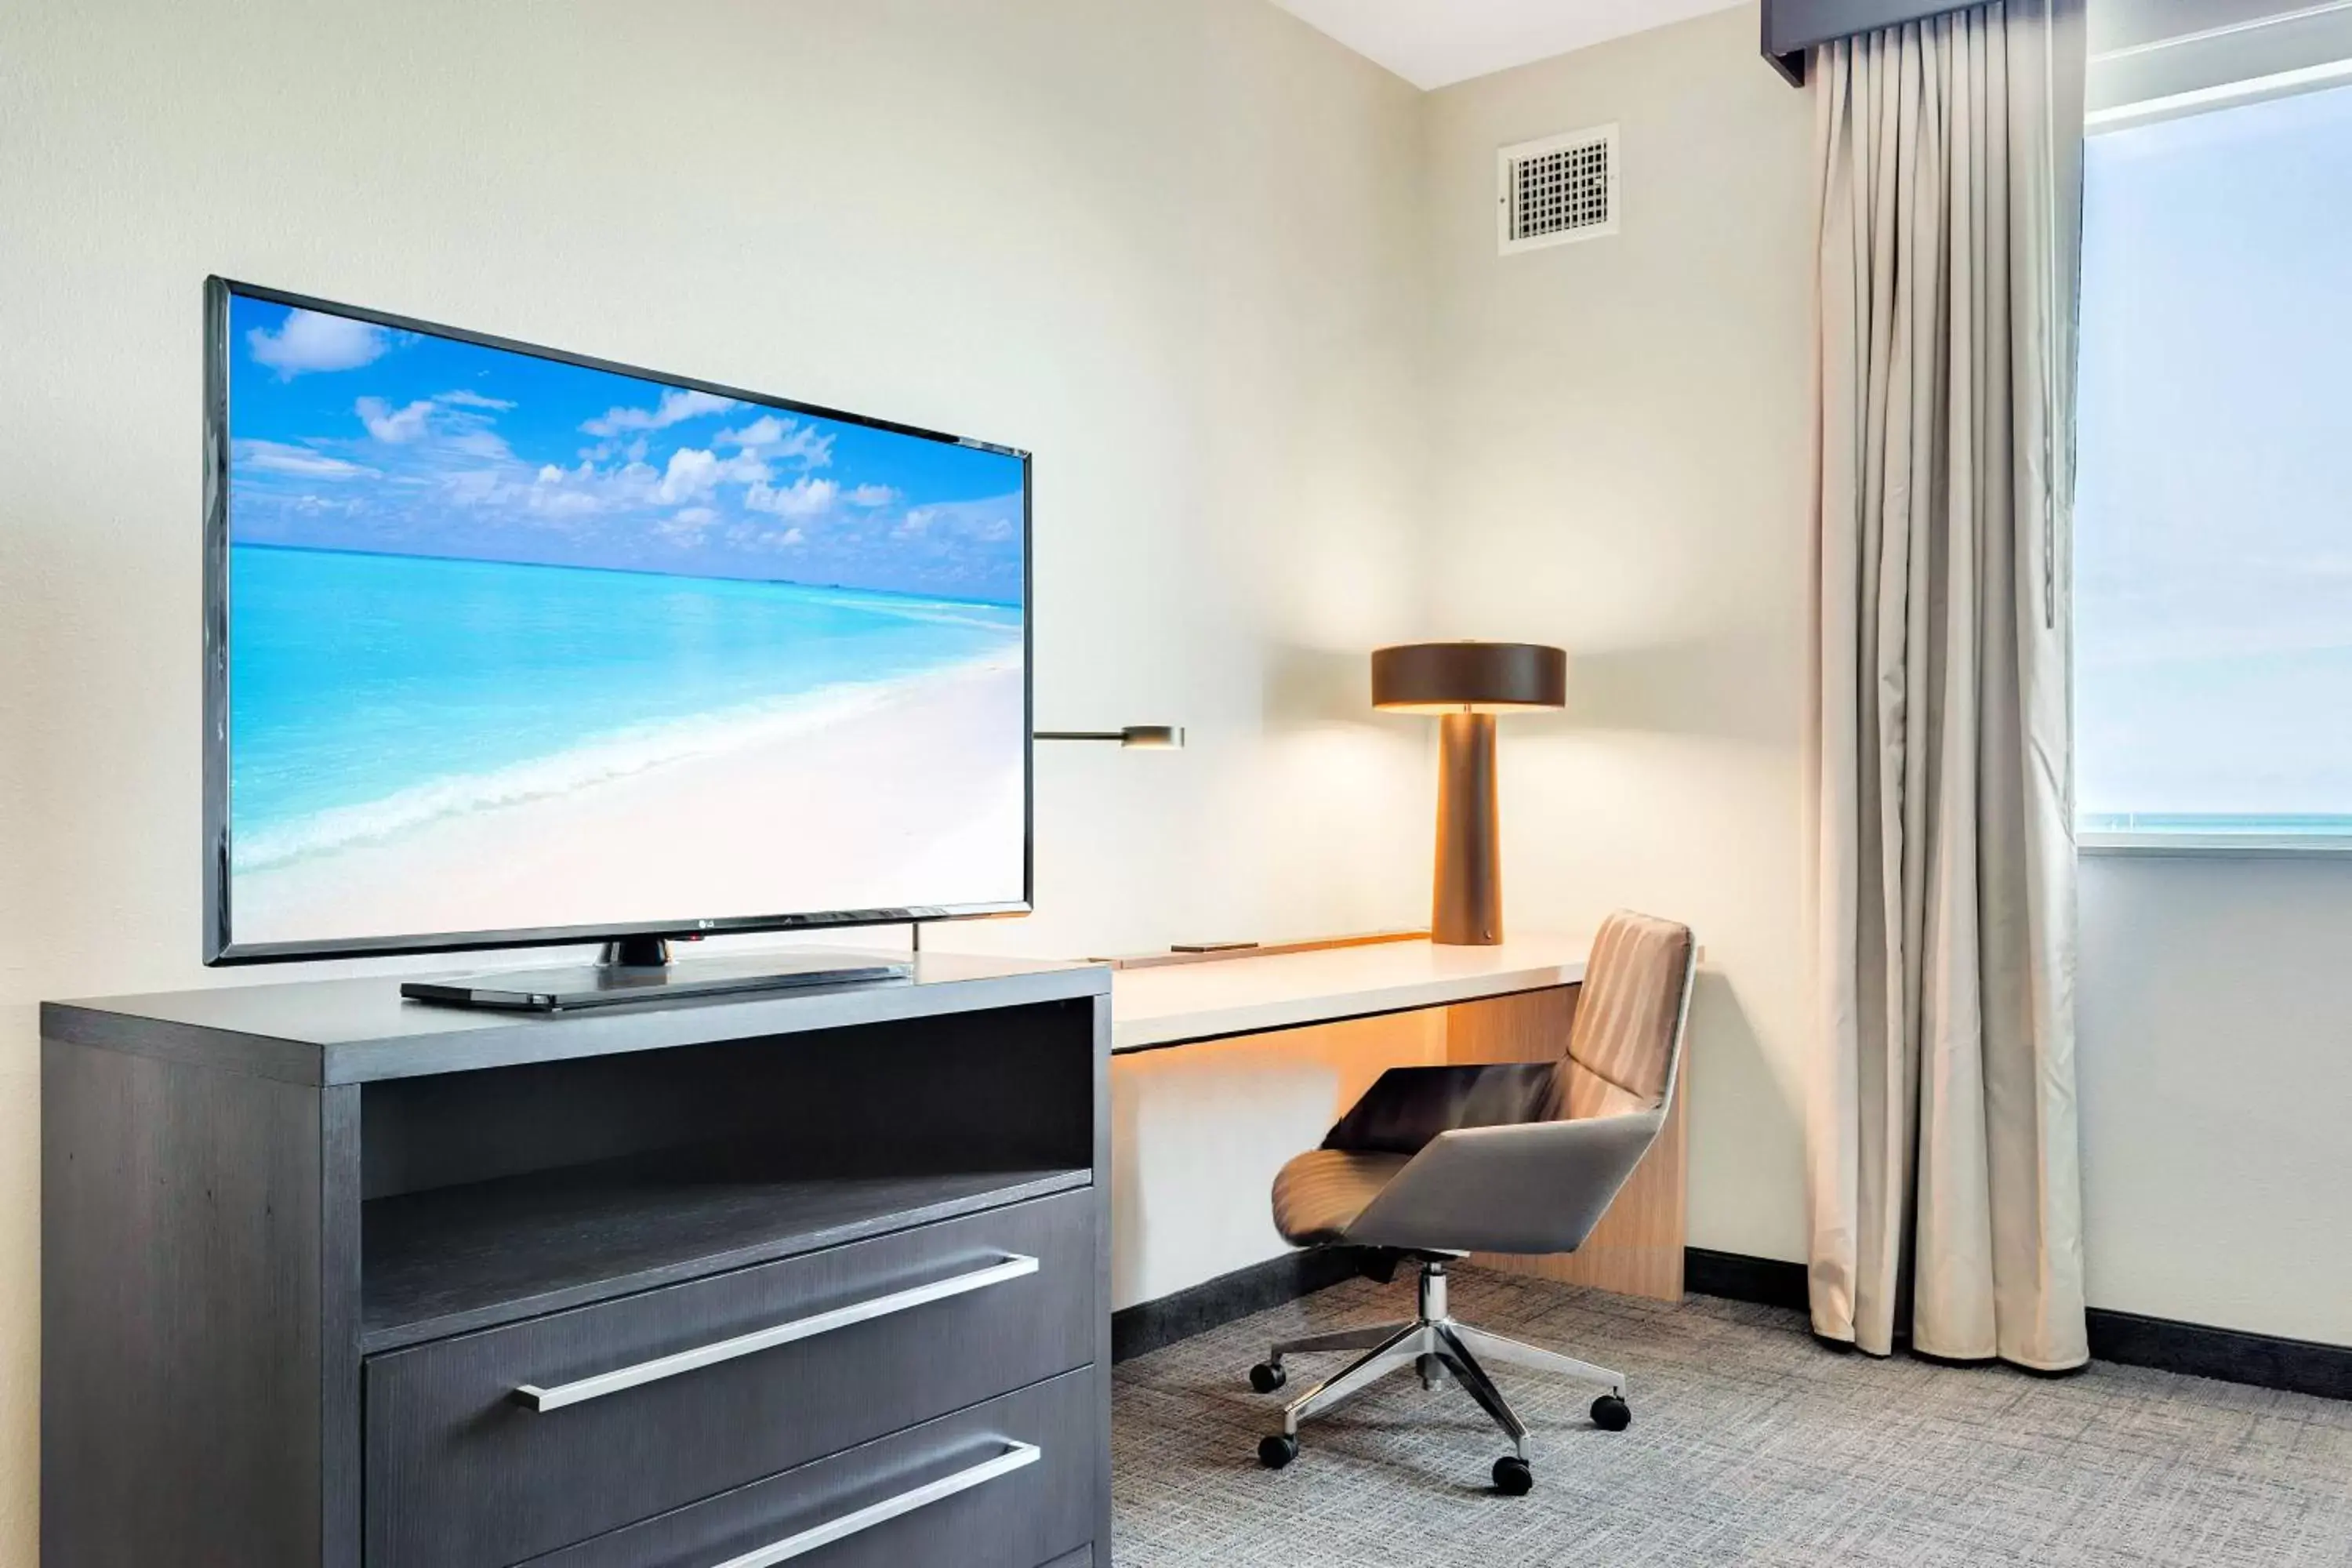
{"points": [[1204, 953], [1468, 683], [667, 1283], [1213, 947], [1436, 1162]]}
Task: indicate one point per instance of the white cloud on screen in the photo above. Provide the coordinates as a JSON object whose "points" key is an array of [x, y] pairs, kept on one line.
{"points": [[747, 468], [278, 458], [464, 399], [804, 497], [995, 518], [783, 440], [692, 472], [748, 537], [393, 427], [565, 503], [676, 406], [307, 340], [479, 442], [686, 527]]}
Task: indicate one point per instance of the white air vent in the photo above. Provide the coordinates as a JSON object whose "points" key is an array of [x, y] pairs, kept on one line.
{"points": [[1560, 189]]}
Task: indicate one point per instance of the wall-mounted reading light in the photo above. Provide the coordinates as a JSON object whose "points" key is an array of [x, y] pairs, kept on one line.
{"points": [[1145, 736]]}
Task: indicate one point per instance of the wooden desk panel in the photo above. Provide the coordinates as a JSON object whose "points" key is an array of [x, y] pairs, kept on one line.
{"points": [[1198, 1134], [1528, 1026]]}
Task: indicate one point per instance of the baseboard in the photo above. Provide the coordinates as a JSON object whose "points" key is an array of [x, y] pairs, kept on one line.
{"points": [[1736, 1276], [2233, 1355], [1148, 1325], [2127, 1339]]}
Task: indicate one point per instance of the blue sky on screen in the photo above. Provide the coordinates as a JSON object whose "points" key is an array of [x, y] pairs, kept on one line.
{"points": [[2213, 529], [354, 436]]}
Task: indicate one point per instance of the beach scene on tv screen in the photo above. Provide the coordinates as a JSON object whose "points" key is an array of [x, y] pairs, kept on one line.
{"points": [[517, 645]]}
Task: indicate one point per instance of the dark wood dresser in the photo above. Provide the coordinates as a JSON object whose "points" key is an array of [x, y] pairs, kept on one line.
{"points": [[331, 1278]]}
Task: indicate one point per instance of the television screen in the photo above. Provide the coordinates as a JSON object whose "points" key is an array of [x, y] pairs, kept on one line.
{"points": [[511, 647]]}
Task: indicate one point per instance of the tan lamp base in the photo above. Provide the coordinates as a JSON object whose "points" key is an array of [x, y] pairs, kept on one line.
{"points": [[1467, 907]]}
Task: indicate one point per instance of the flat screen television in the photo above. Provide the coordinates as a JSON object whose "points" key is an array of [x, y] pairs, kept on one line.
{"points": [[509, 648]]}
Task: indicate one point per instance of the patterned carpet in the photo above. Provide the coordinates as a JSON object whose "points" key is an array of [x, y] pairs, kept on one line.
{"points": [[1749, 1443]]}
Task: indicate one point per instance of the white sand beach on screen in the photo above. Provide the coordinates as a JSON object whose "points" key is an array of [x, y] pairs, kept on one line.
{"points": [[880, 797]]}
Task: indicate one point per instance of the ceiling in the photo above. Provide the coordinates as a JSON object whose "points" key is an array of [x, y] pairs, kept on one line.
{"points": [[1431, 43]]}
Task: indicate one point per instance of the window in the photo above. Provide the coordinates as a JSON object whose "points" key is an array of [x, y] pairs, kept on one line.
{"points": [[2213, 522]]}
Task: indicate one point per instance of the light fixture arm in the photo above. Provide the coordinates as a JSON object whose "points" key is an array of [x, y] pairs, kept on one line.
{"points": [[1149, 737]]}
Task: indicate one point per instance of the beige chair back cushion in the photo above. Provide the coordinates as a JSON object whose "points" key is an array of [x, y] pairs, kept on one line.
{"points": [[1622, 1045]]}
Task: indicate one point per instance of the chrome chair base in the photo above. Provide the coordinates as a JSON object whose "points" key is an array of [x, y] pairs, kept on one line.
{"points": [[1436, 1345]]}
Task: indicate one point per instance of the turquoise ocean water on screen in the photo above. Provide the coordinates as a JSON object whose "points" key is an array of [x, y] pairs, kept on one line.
{"points": [[370, 694]]}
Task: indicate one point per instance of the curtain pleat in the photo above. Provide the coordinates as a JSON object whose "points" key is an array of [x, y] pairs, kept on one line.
{"points": [[1944, 1192]]}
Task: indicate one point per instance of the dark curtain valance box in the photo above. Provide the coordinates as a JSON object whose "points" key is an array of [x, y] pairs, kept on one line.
{"points": [[1794, 27]]}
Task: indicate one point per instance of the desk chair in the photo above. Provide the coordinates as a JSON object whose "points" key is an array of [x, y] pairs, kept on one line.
{"points": [[1436, 1162]]}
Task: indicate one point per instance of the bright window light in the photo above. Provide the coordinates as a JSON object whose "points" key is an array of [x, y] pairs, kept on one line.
{"points": [[2213, 520]]}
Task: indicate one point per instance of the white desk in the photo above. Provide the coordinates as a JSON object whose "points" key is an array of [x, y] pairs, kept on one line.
{"points": [[1224, 1069], [1182, 1003]]}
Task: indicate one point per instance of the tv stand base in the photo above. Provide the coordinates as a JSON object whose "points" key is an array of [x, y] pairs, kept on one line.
{"points": [[638, 976]]}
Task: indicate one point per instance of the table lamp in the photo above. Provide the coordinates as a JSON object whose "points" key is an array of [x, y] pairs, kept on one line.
{"points": [[1468, 683]]}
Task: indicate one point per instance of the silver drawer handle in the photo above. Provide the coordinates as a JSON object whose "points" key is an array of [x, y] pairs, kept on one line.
{"points": [[1016, 1456], [546, 1399]]}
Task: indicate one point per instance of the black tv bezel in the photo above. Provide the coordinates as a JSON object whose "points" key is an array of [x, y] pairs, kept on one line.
{"points": [[221, 950]]}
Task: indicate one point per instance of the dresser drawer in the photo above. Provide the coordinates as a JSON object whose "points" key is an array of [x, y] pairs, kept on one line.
{"points": [[490, 1449], [1008, 1484]]}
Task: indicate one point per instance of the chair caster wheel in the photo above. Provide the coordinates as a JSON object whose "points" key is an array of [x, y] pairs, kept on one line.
{"points": [[1277, 1450], [1512, 1476], [1611, 1414], [1265, 1377]]}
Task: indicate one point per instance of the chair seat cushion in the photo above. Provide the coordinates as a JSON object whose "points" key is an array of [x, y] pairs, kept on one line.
{"points": [[1319, 1195]]}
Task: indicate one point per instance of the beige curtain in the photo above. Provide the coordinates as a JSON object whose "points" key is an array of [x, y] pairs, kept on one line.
{"points": [[1944, 1193]]}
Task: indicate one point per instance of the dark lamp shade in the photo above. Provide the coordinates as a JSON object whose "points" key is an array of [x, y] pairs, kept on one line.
{"points": [[1472, 677]]}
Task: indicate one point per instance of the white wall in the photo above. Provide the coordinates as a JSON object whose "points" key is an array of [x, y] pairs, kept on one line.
{"points": [[1167, 246], [1619, 435], [2215, 1062]]}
